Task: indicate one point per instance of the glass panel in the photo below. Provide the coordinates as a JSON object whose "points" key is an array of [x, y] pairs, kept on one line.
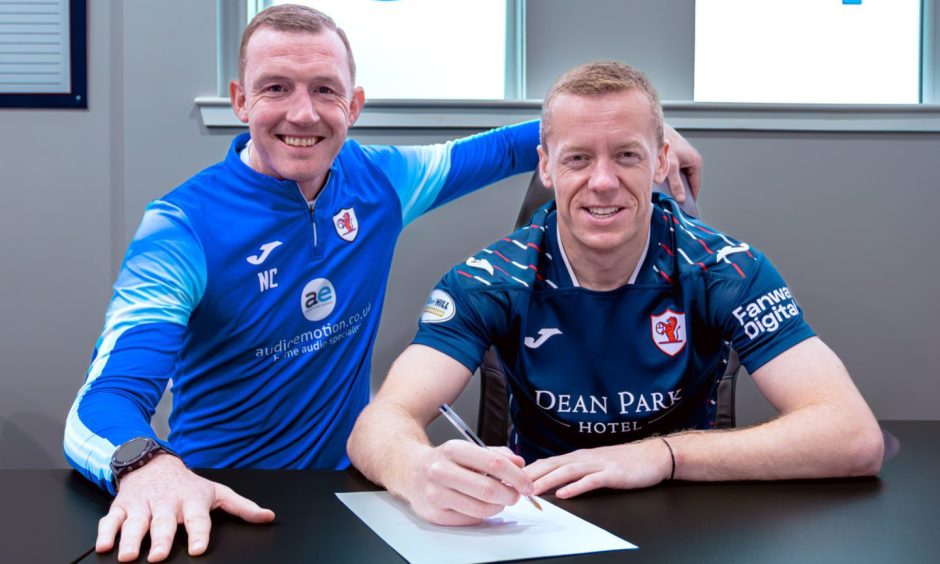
{"points": [[445, 49], [808, 51]]}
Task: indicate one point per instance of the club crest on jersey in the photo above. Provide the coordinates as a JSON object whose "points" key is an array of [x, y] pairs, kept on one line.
{"points": [[346, 224], [668, 330]]}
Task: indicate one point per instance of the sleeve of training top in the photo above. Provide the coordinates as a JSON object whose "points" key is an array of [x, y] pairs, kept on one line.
{"points": [[162, 279], [758, 312], [462, 324], [426, 177]]}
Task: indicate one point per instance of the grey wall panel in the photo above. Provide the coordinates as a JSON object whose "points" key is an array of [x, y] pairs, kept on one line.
{"points": [[656, 37], [850, 220], [165, 68], [55, 257]]}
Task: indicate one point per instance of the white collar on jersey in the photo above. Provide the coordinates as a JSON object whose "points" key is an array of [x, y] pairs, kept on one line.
{"points": [[574, 279], [245, 156]]}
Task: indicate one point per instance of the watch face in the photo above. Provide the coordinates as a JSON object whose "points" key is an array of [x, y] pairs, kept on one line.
{"points": [[131, 450]]}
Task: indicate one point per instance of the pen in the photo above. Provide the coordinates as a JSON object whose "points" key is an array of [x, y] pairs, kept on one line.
{"points": [[468, 434]]}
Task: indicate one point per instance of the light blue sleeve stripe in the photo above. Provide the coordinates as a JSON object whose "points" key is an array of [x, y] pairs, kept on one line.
{"points": [[162, 280], [87, 452], [417, 173], [431, 167], [425, 177]]}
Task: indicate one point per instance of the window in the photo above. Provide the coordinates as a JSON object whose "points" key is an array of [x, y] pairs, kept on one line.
{"points": [[800, 65], [428, 49], [808, 51]]}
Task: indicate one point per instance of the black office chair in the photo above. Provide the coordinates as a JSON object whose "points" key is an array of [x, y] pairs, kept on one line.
{"points": [[493, 423]]}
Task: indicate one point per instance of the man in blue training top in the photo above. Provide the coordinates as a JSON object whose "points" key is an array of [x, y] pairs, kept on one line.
{"points": [[612, 312], [257, 286]]}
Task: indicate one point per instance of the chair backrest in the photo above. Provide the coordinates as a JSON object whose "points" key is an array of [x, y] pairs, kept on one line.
{"points": [[493, 421]]}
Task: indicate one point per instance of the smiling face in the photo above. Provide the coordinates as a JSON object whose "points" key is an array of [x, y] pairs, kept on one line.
{"points": [[298, 99], [601, 158]]}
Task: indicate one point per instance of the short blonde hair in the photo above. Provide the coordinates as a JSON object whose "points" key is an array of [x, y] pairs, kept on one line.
{"points": [[596, 79], [297, 19]]}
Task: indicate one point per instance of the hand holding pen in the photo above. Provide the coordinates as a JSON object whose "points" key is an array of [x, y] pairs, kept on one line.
{"points": [[468, 434], [457, 483]]}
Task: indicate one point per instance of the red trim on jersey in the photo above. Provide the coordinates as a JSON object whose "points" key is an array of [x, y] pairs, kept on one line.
{"points": [[534, 246], [702, 264], [739, 270], [664, 275], [461, 272], [706, 246], [667, 249], [502, 256]]}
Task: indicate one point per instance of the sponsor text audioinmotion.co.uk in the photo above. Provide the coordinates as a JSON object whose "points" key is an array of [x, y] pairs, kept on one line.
{"points": [[315, 339]]}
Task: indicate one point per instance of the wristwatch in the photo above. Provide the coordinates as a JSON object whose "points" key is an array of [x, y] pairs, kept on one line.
{"points": [[133, 454]]}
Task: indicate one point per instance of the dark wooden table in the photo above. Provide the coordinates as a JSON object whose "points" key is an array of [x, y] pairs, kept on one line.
{"points": [[52, 515]]}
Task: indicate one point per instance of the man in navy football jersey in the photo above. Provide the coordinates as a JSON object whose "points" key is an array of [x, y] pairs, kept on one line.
{"points": [[612, 312]]}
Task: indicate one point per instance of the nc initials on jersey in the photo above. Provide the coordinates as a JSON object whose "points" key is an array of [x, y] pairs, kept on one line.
{"points": [[668, 331]]}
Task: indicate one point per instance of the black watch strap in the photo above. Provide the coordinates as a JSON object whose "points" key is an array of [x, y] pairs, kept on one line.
{"points": [[134, 454]]}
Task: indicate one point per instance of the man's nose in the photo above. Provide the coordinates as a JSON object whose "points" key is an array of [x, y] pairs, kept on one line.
{"points": [[603, 176], [303, 109]]}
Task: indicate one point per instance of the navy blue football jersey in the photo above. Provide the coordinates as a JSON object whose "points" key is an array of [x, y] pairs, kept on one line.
{"points": [[589, 368]]}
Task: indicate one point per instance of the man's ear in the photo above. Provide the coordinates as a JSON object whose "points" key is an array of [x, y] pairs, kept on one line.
{"points": [[544, 176], [355, 105], [662, 164], [239, 102]]}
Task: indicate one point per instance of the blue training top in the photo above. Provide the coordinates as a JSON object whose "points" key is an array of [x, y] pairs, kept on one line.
{"points": [[588, 368], [264, 312]]}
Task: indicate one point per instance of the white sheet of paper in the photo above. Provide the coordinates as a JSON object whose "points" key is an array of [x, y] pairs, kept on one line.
{"points": [[520, 531]]}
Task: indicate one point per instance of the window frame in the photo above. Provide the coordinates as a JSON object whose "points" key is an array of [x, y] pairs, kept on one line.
{"points": [[682, 114], [930, 52], [233, 17]]}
